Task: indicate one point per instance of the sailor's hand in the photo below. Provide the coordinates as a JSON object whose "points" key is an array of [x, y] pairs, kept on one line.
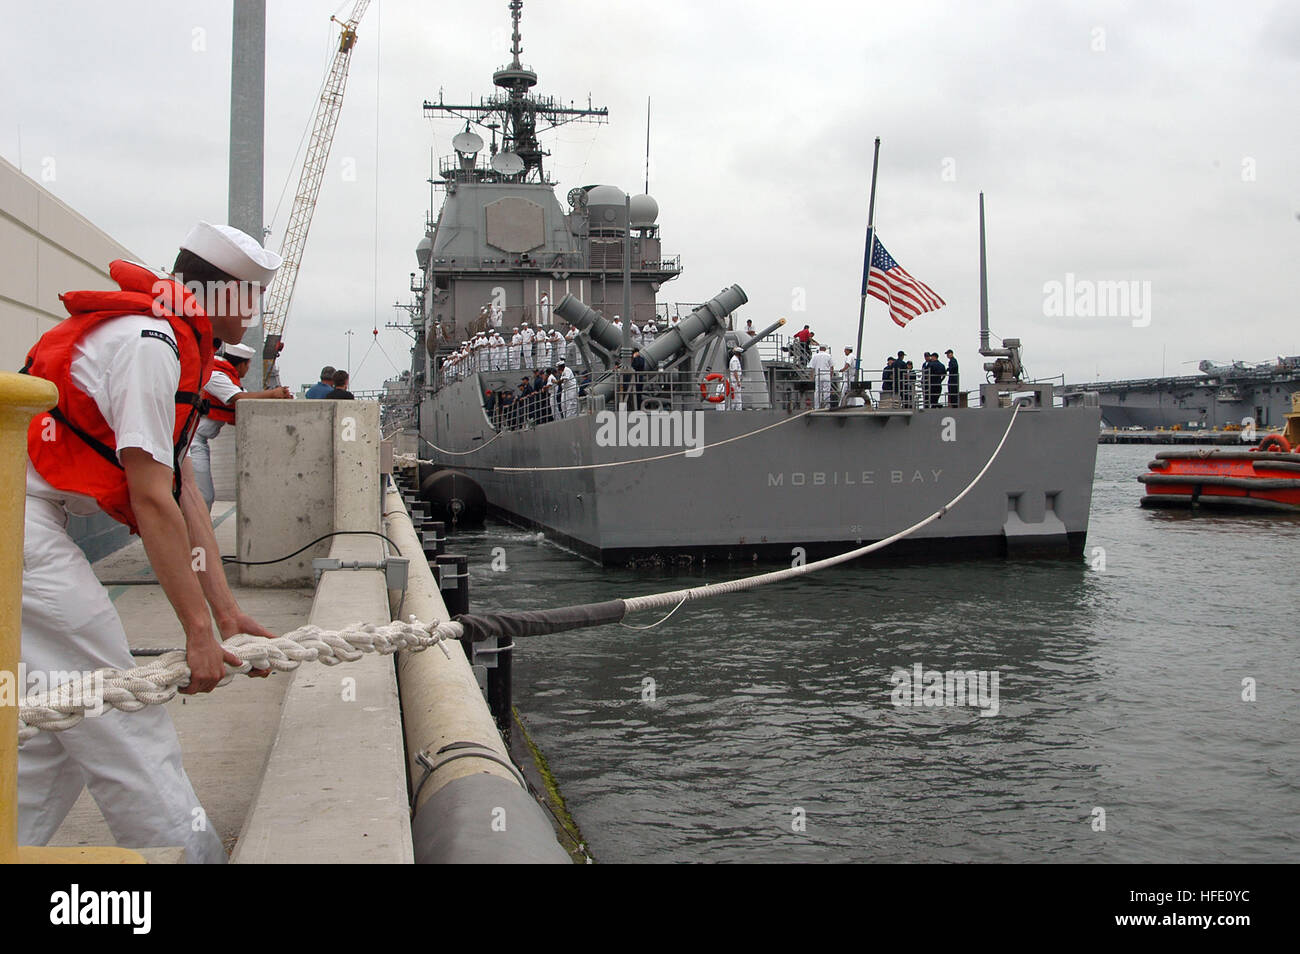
{"points": [[240, 622], [206, 660], [281, 392]]}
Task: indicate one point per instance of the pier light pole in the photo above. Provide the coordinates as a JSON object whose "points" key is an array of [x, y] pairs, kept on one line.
{"points": [[247, 134], [349, 333]]}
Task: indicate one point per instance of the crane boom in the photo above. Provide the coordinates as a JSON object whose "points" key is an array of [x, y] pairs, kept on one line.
{"points": [[276, 310]]}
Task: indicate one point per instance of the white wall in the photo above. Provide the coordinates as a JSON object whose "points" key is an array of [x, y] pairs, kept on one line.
{"points": [[45, 248]]}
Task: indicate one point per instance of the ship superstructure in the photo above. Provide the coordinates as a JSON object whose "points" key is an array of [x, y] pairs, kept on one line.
{"points": [[718, 441]]}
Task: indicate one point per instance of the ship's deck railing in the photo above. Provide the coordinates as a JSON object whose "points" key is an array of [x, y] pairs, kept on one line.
{"points": [[550, 261], [546, 260], [788, 389]]}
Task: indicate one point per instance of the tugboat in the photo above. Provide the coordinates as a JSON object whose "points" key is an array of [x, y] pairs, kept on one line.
{"points": [[715, 444], [1262, 478]]}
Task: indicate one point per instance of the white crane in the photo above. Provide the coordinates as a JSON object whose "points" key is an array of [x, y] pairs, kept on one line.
{"points": [[276, 309]]}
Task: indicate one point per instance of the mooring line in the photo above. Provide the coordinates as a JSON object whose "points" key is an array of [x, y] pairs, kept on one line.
{"points": [[156, 683]]}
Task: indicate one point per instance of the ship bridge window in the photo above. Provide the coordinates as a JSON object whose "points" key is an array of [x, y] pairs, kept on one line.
{"points": [[441, 281]]}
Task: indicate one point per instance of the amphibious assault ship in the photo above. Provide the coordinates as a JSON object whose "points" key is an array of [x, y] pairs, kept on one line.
{"points": [[1235, 393], [673, 463]]}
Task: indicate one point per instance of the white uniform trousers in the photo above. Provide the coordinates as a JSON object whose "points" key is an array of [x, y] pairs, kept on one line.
{"points": [[201, 461], [131, 761]]}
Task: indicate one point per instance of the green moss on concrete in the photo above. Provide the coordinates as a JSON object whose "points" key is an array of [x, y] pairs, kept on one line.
{"points": [[577, 844]]}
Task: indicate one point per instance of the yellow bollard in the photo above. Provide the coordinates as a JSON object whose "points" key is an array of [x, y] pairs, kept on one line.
{"points": [[21, 397]]}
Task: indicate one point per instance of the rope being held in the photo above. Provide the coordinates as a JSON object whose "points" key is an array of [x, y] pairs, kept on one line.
{"points": [[157, 682]]}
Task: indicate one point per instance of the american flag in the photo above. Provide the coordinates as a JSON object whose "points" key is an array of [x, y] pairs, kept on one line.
{"points": [[905, 296]]}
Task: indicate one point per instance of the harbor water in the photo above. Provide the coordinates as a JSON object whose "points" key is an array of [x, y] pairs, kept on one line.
{"points": [[1147, 700]]}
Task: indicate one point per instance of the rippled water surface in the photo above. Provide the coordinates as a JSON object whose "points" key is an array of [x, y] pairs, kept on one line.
{"points": [[1120, 688]]}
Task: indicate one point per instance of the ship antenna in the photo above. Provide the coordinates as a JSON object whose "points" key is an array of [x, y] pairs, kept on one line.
{"points": [[984, 287], [516, 9], [647, 145]]}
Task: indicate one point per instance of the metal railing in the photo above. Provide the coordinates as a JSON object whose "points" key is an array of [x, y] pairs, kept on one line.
{"points": [[513, 402]]}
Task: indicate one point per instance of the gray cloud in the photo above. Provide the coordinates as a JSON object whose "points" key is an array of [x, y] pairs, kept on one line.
{"points": [[1166, 156]]}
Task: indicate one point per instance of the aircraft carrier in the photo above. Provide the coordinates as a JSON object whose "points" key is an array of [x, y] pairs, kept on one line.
{"points": [[667, 465], [1235, 393]]}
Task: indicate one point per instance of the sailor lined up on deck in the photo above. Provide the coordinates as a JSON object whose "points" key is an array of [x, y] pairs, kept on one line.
{"points": [[129, 366]]}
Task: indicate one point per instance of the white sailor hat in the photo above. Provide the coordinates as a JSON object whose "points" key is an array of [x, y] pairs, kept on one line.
{"points": [[560, 362], [236, 253], [239, 352]]}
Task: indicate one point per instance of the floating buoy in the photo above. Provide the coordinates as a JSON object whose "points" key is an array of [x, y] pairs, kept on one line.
{"points": [[715, 395]]}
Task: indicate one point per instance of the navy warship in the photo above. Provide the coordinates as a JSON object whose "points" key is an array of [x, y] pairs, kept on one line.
{"points": [[719, 442], [1233, 393]]}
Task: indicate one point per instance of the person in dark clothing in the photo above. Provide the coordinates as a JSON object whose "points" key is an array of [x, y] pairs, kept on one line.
{"points": [[887, 378], [506, 408], [639, 368], [524, 404], [907, 383], [935, 372], [541, 400], [340, 392], [954, 386]]}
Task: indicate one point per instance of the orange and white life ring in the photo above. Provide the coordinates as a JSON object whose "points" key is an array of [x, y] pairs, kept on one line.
{"points": [[1275, 439], [715, 395]]}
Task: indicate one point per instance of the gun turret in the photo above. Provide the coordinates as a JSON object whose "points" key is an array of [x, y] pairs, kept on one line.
{"points": [[760, 335], [670, 344]]}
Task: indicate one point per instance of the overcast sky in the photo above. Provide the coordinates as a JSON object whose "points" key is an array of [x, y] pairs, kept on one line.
{"points": [[1151, 142]]}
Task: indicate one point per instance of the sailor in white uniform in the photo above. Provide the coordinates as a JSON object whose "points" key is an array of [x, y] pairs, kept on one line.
{"points": [[131, 367], [822, 368], [553, 394], [568, 391], [516, 347], [223, 393], [736, 378], [526, 333]]}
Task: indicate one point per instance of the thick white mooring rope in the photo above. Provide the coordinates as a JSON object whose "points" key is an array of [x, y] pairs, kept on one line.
{"points": [[157, 682]]}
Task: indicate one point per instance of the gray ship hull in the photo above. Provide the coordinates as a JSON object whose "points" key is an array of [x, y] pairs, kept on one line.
{"points": [[824, 482], [1229, 396]]}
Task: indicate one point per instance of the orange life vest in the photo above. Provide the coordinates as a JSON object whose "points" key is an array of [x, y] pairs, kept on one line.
{"points": [[219, 410], [72, 446]]}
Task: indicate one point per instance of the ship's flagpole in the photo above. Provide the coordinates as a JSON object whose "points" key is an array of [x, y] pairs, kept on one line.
{"points": [[866, 261]]}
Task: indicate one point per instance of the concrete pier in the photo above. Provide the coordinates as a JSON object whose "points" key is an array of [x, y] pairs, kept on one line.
{"points": [[226, 735], [312, 766]]}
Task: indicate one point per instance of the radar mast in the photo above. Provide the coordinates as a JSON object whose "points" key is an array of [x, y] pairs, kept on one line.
{"points": [[519, 113]]}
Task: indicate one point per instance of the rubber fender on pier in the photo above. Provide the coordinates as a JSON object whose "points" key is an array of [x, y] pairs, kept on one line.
{"points": [[454, 498]]}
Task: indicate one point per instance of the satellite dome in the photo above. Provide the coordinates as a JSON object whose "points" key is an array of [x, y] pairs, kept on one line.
{"points": [[605, 206], [645, 210], [423, 249]]}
